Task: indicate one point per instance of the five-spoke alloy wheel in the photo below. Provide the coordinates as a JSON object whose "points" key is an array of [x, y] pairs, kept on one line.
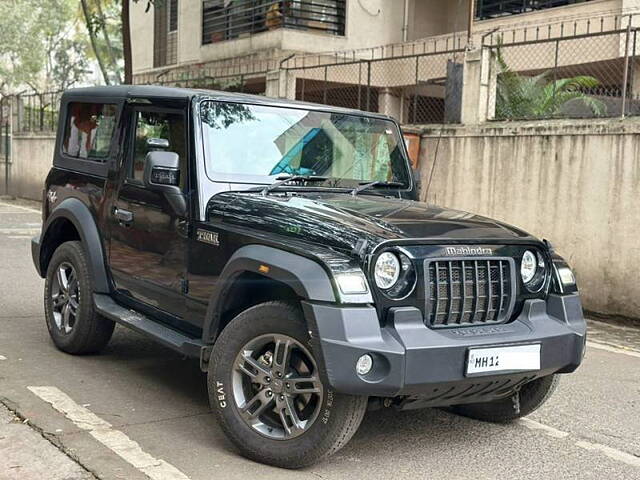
{"points": [[267, 390]]}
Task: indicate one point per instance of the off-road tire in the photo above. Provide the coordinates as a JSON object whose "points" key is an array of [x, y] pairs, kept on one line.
{"points": [[91, 332], [339, 416], [532, 396]]}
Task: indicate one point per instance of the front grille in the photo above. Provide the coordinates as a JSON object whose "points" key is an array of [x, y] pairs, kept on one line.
{"points": [[468, 292]]}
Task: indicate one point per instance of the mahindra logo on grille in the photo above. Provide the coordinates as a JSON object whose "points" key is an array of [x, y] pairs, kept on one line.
{"points": [[468, 251]]}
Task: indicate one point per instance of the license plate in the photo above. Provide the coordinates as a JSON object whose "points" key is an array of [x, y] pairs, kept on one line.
{"points": [[503, 359]]}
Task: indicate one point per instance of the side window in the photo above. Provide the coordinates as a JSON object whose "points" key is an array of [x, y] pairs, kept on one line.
{"points": [[89, 130], [158, 126]]}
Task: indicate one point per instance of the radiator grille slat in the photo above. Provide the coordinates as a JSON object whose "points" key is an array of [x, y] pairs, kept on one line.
{"points": [[468, 292]]}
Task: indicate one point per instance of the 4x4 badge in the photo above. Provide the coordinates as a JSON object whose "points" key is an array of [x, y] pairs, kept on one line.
{"points": [[208, 237]]}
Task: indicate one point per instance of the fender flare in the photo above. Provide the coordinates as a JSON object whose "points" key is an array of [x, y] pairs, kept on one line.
{"points": [[80, 216], [306, 277]]}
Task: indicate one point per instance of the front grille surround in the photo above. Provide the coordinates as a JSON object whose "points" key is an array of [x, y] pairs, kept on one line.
{"points": [[480, 302]]}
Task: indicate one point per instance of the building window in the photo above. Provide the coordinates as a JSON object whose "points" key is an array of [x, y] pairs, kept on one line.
{"points": [[165, 33], [228, 19], [497, 8]]}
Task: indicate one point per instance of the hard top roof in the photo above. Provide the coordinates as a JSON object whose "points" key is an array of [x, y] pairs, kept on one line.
{"points": [[186, 94]]}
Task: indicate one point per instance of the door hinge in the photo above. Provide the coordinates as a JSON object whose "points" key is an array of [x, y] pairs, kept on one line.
{"points": [[184, 286]]}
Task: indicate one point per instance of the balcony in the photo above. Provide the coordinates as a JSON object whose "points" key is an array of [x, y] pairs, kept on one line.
{"points": [[225, 20], [486, 9]]}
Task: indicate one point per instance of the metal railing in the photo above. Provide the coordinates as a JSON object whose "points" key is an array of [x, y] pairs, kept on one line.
{"points": [[245, 17], [585, 73]]}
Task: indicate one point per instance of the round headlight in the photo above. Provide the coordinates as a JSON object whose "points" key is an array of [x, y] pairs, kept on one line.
{"points": [[387, 270], [528, 266]]}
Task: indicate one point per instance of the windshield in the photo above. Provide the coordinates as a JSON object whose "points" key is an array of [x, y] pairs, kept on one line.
{"points": [[256, 144]]}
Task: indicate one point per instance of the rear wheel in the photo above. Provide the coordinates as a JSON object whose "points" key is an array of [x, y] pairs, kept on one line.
{"points": [[265, 386], [530, 397], [73, 324]]}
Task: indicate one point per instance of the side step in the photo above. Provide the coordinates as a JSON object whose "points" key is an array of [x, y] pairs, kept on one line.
{"points": [[105, 305]]}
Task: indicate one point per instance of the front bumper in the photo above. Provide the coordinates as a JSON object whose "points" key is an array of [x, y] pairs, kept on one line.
{"points": [[414, 360]]}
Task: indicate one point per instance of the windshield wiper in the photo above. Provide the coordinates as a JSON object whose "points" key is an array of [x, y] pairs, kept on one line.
{"points": [[291, 178], [378, 184]]}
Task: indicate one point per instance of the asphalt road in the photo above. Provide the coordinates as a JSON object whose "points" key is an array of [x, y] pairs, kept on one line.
{"points": [[140, 411]]}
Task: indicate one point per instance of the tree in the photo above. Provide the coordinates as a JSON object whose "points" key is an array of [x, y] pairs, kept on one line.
{"points": [[519, 96], [39, 45], [102, 21]]}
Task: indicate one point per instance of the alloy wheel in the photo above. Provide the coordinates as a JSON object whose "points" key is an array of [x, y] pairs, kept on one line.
{"points": [[65, 297], [276, 385]]}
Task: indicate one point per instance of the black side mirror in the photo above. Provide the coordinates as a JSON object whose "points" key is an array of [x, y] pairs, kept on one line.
{"points": [[162, 172]]}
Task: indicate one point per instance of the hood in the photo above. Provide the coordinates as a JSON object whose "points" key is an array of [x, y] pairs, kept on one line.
{"points": [[340, 220]]}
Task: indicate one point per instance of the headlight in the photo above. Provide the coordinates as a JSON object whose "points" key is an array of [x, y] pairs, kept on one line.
{"points": [[387, 270], [533, 271], [528, 266]]}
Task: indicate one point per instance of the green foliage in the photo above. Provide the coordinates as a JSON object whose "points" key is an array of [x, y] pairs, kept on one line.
{"points": [[39, 45], [519, 96]]}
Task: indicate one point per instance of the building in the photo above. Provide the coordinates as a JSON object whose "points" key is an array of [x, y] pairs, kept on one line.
{"points": [[326, 47]]}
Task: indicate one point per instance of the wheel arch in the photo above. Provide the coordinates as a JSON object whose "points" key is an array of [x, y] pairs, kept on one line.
{"points": [[269, 270], [72, 220]]}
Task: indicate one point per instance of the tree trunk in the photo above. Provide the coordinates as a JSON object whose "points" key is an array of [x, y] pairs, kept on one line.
{"points": [[126, 42], [107, 41], [94, 46]]}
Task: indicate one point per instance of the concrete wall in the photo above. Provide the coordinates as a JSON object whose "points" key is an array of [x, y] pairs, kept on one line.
{"points": [[575, 183], [31, 158]]}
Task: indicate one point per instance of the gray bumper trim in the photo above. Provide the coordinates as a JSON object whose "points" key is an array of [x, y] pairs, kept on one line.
{"points": [[411, 359]]}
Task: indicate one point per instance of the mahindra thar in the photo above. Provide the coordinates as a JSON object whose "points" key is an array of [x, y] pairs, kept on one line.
{"points": [[283, 245]]}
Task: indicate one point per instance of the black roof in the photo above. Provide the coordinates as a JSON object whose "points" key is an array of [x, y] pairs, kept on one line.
{"points": [[155, 91]]}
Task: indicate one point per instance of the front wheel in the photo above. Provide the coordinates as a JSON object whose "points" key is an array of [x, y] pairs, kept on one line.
{"points": [[265, 387]]}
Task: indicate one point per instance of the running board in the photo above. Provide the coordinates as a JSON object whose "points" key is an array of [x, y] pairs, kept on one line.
{"points": [[106, 306]]}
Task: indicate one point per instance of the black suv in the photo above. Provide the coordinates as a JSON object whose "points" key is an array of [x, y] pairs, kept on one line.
{"points": [[281, 243]]}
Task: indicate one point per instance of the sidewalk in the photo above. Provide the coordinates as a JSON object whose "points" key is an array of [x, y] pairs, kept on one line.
{"points": [[26, 455]]}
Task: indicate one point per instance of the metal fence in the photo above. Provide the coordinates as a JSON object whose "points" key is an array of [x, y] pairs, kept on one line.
{"points": [[568, 70], [31, 112], [416, 82]]}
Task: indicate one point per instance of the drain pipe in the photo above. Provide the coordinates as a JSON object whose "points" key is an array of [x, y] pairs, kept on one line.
{"points": [[405, 22]]}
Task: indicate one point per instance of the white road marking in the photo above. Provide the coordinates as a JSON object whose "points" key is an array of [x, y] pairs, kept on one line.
{"points": [[552, 432], [614, 453], [612, 349], [2, 357], [115, 440], [32, 210], [610, 452]]}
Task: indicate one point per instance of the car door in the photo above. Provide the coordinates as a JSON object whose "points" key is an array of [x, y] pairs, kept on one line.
{"points": [[149, 233]]}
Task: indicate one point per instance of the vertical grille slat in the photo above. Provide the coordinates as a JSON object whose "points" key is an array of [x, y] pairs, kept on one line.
{"points": [[449, 295], [468, 292]]}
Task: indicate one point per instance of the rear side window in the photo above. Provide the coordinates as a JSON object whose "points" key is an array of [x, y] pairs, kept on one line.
{"points": [[89, 130]]}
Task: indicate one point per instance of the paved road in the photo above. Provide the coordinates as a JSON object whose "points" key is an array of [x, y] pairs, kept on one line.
{"points": [[140, 411]]}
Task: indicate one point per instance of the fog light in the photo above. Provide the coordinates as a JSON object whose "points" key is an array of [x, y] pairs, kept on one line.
{"points": [[364, 364]]}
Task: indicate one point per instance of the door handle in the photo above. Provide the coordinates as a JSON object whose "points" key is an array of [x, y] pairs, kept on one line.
{"points": [[123, 216]]}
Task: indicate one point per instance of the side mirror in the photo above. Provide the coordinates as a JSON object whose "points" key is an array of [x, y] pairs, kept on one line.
{"points": [[162, 174], [162, 171]]}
